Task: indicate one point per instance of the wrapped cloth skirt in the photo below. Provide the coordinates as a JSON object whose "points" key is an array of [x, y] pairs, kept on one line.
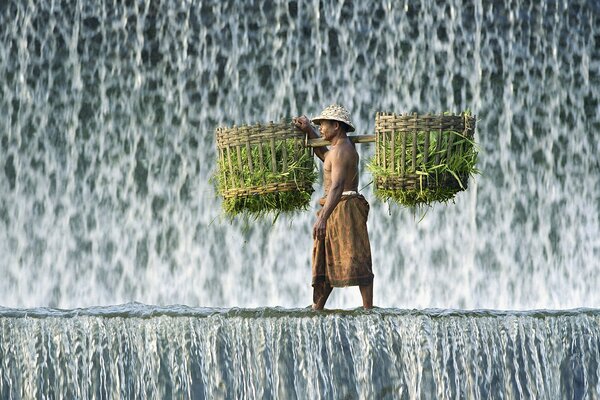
{"points": [[343, 258]]}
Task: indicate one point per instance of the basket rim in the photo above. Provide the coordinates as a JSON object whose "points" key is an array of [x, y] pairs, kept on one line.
{"points": [[258, 190]]}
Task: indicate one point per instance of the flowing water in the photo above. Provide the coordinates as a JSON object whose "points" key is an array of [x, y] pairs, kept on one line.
{"points": [[136, 351], [107, 117]]}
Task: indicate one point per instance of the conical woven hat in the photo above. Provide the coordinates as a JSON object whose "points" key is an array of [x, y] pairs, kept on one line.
{"points": [[335, 112]]}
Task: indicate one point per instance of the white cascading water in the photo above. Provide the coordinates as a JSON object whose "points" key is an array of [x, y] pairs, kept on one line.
{"points": [[144, 352], [108, 113]]}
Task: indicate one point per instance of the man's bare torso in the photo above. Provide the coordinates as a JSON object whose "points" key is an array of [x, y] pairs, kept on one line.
{"points": [[345, 150]]}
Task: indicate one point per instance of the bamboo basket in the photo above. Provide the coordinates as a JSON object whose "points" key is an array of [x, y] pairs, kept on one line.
{"points": [[264, 168], [422, 158]]}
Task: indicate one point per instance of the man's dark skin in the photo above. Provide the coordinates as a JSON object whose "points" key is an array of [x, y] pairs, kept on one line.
{"points": [[340, 166]]}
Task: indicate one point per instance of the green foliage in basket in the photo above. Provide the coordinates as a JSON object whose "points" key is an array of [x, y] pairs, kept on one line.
{"points": [[261, 191], [437, 179]]}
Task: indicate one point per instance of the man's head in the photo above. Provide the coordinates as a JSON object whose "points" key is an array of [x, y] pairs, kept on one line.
{"points": [[333, 120]]}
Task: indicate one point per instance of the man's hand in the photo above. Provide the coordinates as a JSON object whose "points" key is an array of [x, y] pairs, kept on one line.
{"points": [[305, 126], [320, 228], [303, 123]]}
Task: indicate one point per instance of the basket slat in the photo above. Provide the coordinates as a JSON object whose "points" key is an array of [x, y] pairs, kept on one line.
{"points": [[385, 139], [285, 156], [222, 161], [261, 160], [438, 147], [273, 156], [403, 154], [426, 147], [231, 174], [250, 166], [449, 147], [239, 163], [415, 149], [392, 150]]}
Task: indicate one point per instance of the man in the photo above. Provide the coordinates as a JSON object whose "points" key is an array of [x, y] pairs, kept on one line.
{"points": [[341, 249]]}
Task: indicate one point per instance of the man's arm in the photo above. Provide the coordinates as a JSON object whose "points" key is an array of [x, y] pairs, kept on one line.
{"points": [[305, 126], [338, 179]]}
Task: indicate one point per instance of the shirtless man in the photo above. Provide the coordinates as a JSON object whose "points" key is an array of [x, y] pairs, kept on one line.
{"points": [[341, 250]]}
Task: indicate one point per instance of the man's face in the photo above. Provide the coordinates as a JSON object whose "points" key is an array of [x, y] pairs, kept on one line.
{"points": [[328, 129]]}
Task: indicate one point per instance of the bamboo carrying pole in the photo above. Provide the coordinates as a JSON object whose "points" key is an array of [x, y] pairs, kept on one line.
{"points": [[354, 138]]}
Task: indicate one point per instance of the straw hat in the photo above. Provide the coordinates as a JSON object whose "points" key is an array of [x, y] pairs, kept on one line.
{"points": [[335, 112]]}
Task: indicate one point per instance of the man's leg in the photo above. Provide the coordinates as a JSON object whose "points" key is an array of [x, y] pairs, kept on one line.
{"points": [[321, 293], [367, 295]]}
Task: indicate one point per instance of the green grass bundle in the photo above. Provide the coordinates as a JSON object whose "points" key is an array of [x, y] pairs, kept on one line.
{"points": [[264, 169], [417, 164]]}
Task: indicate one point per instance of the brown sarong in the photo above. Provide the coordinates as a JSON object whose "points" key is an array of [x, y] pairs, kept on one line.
{"points": [[343, 258]]}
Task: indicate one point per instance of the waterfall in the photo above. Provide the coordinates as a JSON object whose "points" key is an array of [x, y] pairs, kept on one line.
{"points": [[144, 352], [108, 114]]}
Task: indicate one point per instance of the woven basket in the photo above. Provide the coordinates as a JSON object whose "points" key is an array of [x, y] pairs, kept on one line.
{"points": [[407, 144], [263, 151]]}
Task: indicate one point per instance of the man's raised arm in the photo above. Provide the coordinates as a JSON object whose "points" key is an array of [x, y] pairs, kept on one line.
{"points": [[305, 126]]}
